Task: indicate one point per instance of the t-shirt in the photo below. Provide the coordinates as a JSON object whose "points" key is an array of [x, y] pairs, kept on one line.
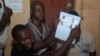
{"points": [[86, 44], [19, 52], [3, 34], [37, 35]]}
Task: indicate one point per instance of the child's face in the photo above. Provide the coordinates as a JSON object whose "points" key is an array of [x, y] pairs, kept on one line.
{"points": [[24, 39]]}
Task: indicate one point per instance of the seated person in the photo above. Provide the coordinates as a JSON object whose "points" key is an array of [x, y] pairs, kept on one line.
{"points": [[25, 45]]}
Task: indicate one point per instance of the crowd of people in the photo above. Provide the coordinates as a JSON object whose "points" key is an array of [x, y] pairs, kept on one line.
{"points": [[36, 38]]}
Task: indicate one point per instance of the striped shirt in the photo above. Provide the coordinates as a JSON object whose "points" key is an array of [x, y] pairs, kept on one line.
{"points": [[37, 35]]}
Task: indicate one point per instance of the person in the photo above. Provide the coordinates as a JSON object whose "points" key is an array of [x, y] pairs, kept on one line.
{"points": [[24, 46], [85, 43], [44, 40], [41, 32], [5, 15]]}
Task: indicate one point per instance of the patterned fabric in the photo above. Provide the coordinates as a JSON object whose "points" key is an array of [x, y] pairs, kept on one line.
{"points": [[37, 35]]}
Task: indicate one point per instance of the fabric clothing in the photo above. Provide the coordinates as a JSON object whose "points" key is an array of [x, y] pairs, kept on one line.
{"points": [[3, 34], [86, 44], [3, 37], [1, 9], [19, 52], [37, 35]]}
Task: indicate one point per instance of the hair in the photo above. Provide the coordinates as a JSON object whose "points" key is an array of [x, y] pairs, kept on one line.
{"points": [[73, 13], [16, 29]]}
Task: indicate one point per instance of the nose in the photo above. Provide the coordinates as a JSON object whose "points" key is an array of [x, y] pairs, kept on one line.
{"points": [[27, 41]]}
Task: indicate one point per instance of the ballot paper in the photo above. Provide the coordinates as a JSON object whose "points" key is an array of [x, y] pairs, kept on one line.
{"points": [[67, 22]]}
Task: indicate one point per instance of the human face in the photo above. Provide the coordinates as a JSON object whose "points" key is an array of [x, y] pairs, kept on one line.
{"points": [[39, 12], [24, 39]]}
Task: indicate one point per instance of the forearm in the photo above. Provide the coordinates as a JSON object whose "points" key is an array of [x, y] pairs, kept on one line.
{"points": [[39, 45], [43, 44], [62, 50]]}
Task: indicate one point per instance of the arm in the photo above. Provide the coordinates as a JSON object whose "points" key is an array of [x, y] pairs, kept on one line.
{"points": [[44, 43], [5, 18], [61, 51]]}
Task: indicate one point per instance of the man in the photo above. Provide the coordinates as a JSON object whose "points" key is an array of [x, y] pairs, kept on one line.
{"points": [[23, 39], [5, 14], [85, 43], [41, 32], [25, 46]]}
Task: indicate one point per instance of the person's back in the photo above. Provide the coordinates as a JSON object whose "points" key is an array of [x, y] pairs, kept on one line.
{"points": [[84, 46], [5, 14]]}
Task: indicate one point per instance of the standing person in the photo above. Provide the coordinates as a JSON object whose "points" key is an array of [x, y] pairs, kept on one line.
{"points": [[85, 43], [5, 14], [42, 32]]}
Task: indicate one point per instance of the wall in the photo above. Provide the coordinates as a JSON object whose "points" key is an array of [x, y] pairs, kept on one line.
{"points": [[90, 11], [52, 8], [90, 22], [17, 18]]}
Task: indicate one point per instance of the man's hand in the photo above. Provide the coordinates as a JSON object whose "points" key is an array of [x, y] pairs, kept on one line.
{"points": [[75, 32]]}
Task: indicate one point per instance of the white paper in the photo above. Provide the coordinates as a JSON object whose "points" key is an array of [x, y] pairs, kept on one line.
{"points": [[67, 22], [15, 5], [62, 32]]}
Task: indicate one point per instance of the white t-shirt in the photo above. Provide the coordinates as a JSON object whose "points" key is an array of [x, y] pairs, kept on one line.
{"points": [[86, 44], [3, 34], [3, 38]]}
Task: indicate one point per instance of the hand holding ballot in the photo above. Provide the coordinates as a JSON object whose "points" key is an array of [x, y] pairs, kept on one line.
{"points": [[67, 26]]}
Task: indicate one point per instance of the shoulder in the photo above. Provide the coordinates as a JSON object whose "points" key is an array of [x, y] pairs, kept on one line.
{"points": [[87, 38], [87, 35]]}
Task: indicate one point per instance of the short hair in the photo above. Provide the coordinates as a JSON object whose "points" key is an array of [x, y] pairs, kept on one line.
{"points": [[16, 29], [73, 13], [34, 3]]}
